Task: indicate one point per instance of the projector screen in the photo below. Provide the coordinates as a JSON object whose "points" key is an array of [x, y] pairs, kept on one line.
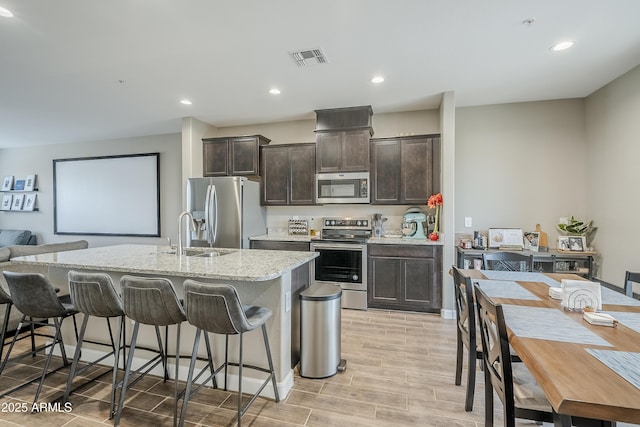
{"points": [[108, 195]]}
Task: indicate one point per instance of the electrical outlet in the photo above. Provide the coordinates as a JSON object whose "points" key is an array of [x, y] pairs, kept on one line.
{"points": [[467, 221]]}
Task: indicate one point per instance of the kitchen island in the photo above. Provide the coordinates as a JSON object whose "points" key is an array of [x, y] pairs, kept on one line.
{"points": [[266, 278]]}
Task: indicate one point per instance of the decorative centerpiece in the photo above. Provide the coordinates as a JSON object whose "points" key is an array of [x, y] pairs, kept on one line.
{"points": [[434, 202], [575, 227]]}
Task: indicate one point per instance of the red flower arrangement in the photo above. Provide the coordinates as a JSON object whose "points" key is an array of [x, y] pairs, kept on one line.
{"points": [[434, 202]]}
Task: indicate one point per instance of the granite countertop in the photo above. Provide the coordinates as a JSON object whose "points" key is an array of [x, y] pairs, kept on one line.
{"points": [[241, 264], [374, 240]]}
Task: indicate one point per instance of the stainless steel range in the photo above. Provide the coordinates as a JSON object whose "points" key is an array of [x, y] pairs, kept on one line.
{"points": [[343, 258]]}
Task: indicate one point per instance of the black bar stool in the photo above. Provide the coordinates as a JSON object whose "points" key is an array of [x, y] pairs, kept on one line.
{"points": [[217, 309], [150, 301], [35, 296], [93, 294]]}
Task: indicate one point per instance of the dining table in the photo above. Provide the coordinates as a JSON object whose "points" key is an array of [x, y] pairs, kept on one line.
{"points": [[585, 370]]}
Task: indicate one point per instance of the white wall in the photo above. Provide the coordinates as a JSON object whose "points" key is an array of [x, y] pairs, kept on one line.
{"points": [[39, 160], [518, 165], [613, 178]]}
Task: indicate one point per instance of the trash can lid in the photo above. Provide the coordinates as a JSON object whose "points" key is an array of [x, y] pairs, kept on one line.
{"points": [[321, 292]]}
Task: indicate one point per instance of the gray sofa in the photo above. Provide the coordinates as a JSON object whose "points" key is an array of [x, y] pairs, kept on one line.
{"points": [[9, 252], [17, 237]]}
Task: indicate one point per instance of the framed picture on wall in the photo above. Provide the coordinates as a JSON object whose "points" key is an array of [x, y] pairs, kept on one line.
{"points": [[6, 202], [29, 202], [30, 183], [7, 183], [16, 204]]}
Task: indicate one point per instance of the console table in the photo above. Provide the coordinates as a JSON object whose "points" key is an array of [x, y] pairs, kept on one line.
{"points": [[552, 261]]}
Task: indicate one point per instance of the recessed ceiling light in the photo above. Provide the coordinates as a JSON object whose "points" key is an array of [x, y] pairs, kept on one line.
{"points": [[377, 79], [185, 102], [561, 46], [274, 91], [5, 12]]}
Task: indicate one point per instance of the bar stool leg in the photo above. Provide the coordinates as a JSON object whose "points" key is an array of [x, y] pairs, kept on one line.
{"points": [[3, 334], [192, 365], [212, 368], [270, 360], [57, 339], [175, 380], [127, 373], [114, 376], [226, 360], [76, 359], [240, 382]]}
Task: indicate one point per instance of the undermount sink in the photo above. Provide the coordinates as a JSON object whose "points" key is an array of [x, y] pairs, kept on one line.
{"points": [[207, 253]]}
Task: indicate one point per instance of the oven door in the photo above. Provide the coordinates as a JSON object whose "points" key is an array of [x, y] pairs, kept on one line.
{"points": [[341, 263]]}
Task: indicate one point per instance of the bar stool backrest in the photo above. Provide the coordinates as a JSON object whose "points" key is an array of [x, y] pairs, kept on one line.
{"points": [[5, 297], [151, 301], [94, 294], [34, 295], [215, 308]]}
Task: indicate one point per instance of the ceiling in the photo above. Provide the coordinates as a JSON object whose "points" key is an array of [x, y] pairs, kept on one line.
{"points": [[89, 70]]}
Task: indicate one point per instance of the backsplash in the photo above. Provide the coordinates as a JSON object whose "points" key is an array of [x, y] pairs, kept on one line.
{"points": [[278, 216]]}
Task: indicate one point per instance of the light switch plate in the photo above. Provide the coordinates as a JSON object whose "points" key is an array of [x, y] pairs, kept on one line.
{"points": [[467, 221]]}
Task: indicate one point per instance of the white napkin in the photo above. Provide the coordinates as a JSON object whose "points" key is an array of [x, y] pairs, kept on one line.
{"points": [[601, 319], [578, 294], [555, 292]]}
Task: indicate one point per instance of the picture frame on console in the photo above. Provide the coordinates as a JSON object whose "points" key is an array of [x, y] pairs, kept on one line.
{"points": [[572, 243], [531, 241]]}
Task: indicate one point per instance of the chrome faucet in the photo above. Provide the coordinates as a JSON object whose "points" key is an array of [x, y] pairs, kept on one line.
{"points": [[192, 227]]}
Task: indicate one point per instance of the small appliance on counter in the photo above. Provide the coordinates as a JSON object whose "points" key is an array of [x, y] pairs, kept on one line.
{"points": [[412, 226], [298, 227], [376, 223]]}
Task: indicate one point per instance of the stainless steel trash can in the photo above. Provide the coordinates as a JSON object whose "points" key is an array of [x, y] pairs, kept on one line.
{"points": [[320, 331]]}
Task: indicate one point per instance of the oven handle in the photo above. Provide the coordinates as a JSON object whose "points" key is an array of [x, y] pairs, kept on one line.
{"points": [[349, 246]]}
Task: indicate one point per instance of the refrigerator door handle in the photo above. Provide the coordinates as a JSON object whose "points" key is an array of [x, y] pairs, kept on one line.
{"points": [[211, 214]]}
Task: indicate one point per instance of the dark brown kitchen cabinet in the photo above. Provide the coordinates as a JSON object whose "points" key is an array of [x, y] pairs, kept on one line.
{"points": [[405, 277], [288, 174], [236, 156], [343, 151], [405, 170], [280, 245]]}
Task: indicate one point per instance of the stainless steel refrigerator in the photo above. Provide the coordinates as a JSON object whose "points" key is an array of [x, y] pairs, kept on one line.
{"points": [[226, 211]]}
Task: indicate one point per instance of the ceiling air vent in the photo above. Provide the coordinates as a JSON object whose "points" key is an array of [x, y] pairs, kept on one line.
{"points": [[305, 58]]}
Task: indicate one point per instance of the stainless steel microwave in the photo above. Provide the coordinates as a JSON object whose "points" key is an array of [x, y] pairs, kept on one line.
{"points": [[342, 187]]}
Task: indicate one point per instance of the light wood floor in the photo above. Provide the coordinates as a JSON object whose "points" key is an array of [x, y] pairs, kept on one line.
{"points": [[400, 372]]}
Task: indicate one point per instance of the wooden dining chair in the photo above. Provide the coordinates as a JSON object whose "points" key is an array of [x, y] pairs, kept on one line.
{"points": [[520, 394], [629, 279], [517, 389], [466, 335], [509, 261]]}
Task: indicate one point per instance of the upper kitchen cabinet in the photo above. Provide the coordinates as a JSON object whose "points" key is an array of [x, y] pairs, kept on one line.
{"points": [[288, 174], [342, 139], [237, 155], [405, 170]]}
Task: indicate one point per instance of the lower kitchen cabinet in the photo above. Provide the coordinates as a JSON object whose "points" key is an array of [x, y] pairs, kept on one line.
{"points": [[405, 277]]}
